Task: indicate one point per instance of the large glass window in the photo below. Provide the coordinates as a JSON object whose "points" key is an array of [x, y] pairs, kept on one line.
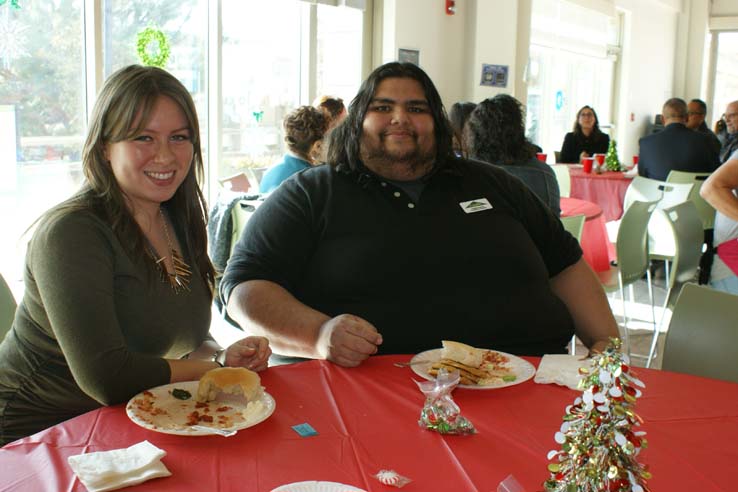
{"points": [[339, 51], [42, 116], [726, 73], [569, 67], [274, 55], [261, 80]]}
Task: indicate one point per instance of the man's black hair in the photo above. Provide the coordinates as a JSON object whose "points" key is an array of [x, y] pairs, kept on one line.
{"points": [[345, 140]]}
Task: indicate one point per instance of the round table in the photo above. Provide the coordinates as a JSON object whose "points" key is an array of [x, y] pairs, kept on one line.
{"points": [[595, 244], [366, 418], [606, 190]]}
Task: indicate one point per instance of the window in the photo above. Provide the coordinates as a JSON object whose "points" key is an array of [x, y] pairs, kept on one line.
{"points": [[274, 55], [569, 67], [261, 80], [726, 73], [42, 116]]}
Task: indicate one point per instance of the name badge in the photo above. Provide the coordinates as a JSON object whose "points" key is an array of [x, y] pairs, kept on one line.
{"points": [[475, 205]]}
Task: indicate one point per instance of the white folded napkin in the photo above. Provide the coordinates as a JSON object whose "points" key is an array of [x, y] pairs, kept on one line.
{"points": [[632, 172], [111, 470], [560, 369]]}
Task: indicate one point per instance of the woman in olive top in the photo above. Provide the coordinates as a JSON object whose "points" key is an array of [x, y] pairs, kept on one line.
{"points": [[586, 140], [118, 285]]}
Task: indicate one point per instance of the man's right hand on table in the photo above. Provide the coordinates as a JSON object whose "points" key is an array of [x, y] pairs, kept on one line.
{"points": [[348, 340]]}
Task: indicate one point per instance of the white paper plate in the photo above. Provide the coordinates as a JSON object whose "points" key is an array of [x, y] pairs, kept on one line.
{"points": [[159, 411], [522, 369], [313, 486]]}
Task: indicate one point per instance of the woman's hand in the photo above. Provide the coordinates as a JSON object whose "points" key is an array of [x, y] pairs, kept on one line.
{"points": [[583, 155], [250, 352]]}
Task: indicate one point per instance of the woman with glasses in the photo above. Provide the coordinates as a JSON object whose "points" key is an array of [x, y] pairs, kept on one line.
{"points": [[586, 140]]}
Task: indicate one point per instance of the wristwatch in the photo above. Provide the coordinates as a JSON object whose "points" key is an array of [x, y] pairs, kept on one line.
{"points": [[219, 357]]}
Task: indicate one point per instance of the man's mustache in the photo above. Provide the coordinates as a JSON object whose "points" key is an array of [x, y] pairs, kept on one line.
{"points": [[399, 131]]}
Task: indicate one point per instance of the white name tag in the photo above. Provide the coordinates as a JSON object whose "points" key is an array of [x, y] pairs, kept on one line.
{"points": [[475, 205]]}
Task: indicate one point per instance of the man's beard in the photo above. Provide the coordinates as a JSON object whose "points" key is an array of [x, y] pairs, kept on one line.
{"points": [[413, 160]]}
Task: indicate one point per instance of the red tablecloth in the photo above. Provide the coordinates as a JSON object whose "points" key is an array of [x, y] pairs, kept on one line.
{"points": [[595, 244], [366, 418], [606, 190]]}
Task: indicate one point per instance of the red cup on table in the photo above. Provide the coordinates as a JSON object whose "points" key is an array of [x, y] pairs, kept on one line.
{"points": [[587, 163], [541, 156], [635, 161], [600, 158]]}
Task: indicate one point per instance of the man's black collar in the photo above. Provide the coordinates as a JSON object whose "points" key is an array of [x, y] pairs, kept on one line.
{"points": [[363, 175]]}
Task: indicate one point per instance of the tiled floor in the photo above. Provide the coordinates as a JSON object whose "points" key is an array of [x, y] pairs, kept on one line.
{"points": [[640, 325]]}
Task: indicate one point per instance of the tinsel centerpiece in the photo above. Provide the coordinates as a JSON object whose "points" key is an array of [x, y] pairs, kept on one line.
{"points": [[599, 447], [612, 162]]}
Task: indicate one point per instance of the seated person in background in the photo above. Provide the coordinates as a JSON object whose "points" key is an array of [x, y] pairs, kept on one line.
{"points": [[333, 109], [720, 191], [696, 112], [676, 147], [458, 114], [303, 131], [721, 131], [586, 140], [118, 284], [397, 235], [495, 133], [730, 139]]}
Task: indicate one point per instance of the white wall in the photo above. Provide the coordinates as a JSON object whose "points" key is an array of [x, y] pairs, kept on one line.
{"points": [[663, 49], [495, 43], [424, 26], [647, 72], [724, 8]]}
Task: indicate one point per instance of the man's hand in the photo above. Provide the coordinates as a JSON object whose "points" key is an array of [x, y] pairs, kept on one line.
{"points": [[347, 340], [250, 352]]}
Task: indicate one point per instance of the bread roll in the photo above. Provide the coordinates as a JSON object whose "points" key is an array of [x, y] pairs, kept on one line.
{"points": [[231, 380]]}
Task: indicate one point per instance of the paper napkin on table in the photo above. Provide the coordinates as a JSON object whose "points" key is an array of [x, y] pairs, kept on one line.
{"points": [[111, 470], [560, 369]]}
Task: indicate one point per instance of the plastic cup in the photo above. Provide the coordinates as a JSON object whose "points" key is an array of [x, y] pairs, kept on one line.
{"points": [[587, 163], [541, 156], [600, 158], [635, 160]]}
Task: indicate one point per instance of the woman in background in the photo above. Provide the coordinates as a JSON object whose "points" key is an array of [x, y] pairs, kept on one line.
{"points": [[304, 129], [586, 140], [457, 115], [495, 133], [333, 109], [118, 284]]}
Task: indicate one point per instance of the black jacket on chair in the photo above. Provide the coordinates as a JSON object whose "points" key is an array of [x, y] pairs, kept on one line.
{"points": [[676, 148]]}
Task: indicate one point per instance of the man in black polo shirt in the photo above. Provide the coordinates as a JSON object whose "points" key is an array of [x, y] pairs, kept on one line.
{"points": [[398, 236]]}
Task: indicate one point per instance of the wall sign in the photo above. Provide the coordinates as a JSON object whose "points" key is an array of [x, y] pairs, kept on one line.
{"points": [[408, 56], [559, 100], [494, 75]]}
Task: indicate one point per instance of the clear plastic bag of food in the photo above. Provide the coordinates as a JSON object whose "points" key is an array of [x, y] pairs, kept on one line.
{"points": [[440, 412]]}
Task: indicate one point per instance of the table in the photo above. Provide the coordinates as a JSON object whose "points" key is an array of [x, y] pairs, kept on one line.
{"points": [[606, 190], [367, 420], [596, 247]]}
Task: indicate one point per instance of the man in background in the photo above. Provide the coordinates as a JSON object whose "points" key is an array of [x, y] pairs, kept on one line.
{"points": [[676, 147], [730, 144], [696, 112]]}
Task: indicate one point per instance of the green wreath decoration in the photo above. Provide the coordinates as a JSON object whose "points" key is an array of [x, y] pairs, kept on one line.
{"points": [[146, 37]]}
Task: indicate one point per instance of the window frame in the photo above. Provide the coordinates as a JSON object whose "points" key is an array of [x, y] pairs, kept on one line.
{"points": [[94, 70]]}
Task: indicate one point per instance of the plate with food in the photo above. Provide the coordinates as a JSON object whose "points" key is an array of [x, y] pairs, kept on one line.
{"points": [[315, 486], [224, 400], [478, 368]]}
